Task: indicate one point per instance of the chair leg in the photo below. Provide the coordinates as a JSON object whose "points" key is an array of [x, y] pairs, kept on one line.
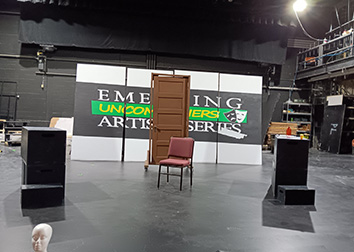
{"points": [[180, 186], [191, 171], [168, 174], [158, 179]]}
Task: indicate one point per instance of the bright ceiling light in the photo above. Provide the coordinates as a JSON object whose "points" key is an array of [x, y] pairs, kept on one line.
{"points": [[299, 5]]}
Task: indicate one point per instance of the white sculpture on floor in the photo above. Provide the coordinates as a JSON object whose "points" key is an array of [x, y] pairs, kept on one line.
{"points": [[41, 235]]}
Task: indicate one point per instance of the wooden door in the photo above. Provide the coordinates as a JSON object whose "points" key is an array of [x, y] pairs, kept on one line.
{"points": [[170, 112]]}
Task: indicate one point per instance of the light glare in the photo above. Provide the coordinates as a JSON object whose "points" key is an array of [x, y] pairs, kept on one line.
{"points": [[299, 5]]}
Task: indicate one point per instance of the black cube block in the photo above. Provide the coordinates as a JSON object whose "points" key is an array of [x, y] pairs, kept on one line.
{"points": [[290, 161], [34, 196], [43, 174], [296, 195], [43, 145], [291, 153]]}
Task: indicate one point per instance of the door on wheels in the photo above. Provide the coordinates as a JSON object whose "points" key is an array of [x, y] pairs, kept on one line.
{"points": [[170, 112]]}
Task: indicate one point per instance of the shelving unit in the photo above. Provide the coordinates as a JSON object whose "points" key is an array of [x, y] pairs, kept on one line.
{"points": [[12, 132], [300, 113]]}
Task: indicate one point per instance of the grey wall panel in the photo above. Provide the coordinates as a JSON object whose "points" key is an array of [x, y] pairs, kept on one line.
{"points": [[60, 97], [8, 69], [31, 107], [9, 34]]}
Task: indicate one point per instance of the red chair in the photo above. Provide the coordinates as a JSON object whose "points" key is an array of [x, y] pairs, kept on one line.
{"points": [[180, 155]]}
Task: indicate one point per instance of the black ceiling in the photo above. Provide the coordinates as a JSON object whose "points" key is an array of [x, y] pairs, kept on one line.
{"points": [[227, 10], [317, 19]]}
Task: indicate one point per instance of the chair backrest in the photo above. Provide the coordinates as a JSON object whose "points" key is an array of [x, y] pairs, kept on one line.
{"points": [[181, 147]]}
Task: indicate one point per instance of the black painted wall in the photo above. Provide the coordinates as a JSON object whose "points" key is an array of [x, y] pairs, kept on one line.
{"points": [[42, 97]]}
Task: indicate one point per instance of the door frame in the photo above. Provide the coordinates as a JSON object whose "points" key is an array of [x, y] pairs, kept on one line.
{"points": [[153, 75]]}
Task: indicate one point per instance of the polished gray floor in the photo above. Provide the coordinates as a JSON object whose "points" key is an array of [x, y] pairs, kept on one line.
{"points": [[114, 206]]}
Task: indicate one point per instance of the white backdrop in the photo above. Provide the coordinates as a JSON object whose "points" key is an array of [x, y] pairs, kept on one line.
{"points": [[98, 148], [110, 148]]}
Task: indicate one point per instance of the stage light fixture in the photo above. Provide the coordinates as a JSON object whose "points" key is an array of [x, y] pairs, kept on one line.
{"points": [[299, 5]]}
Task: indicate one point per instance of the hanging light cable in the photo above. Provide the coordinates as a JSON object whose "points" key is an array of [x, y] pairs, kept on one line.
{"points": [[299, 6]]}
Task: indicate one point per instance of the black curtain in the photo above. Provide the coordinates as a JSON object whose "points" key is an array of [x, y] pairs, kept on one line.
{"points": [[140, 31]]}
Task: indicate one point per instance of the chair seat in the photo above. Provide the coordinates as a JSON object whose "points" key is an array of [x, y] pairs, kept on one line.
{"points": [[175, 162]]}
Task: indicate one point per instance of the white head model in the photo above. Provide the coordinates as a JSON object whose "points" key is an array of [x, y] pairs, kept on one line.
{"points": [[41, 235]]}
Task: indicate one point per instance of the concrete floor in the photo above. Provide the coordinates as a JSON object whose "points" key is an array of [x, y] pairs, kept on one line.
{"points": [[114, 206]]}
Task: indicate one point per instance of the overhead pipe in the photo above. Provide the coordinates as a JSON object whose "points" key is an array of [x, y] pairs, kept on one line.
{"points": [[55, 74], [286, 88], [14, 13], [14, 56]]}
